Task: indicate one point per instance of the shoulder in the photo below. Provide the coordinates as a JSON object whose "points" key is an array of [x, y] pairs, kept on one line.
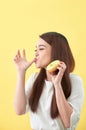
{"points": [[76, 98], [31, 80], [75, 78], [33, 76], [77, 84]]}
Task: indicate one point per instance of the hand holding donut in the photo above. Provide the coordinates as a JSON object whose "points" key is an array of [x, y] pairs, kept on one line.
{"points": [[20, 61], [61, 66]]}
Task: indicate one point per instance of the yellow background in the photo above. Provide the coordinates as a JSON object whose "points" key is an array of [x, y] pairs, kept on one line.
{"points": [[21, 22]]}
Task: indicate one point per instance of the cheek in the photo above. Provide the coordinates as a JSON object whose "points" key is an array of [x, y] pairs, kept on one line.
{"points": [[48, 54], [46, 57], [46, 60]]}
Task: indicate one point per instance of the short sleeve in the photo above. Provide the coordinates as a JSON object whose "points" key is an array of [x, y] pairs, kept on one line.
{"points": [[76, 100], [28, 86]]}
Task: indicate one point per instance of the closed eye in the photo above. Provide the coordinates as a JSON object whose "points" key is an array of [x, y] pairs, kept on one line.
{"points": [[41, 48]]}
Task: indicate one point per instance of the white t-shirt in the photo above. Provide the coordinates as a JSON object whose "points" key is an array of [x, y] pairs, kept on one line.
{"points": [[41, 120]]}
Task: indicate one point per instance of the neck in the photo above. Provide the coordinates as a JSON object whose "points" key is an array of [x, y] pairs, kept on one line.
{"points": [[48, 76]]}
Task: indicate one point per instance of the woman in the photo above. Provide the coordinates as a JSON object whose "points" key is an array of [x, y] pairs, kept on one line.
{"points": [[54, 100]]}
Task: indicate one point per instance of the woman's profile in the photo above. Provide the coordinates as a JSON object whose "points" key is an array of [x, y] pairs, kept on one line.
{"points": [[55, 99]]}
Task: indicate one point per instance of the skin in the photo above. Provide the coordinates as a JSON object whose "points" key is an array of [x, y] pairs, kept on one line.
{"points": [[42, 54], [41, 60]]}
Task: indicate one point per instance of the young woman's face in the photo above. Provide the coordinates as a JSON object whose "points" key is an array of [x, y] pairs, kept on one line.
{"points": [[42, 54]]}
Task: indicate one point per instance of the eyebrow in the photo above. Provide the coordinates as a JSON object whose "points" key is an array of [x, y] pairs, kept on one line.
{"points": [[41, 45]]}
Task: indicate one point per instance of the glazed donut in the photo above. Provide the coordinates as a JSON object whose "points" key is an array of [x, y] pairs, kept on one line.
{"points": [[53, 66]]}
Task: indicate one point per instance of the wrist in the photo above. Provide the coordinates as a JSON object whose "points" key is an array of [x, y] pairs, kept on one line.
{"points": [[21, 72], [57, 86]]}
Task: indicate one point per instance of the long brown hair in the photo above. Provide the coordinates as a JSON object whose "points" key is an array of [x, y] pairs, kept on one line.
{"points": [[60, 51]]}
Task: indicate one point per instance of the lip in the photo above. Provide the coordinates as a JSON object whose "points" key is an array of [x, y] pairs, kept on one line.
{"points": [[36, 60]]}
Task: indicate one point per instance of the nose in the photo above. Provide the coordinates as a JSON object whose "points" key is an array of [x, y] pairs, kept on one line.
{"points": [[36, 53]]}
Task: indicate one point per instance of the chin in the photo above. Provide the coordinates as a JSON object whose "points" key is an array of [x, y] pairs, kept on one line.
{"points": [[40, 66], [37, 66]]}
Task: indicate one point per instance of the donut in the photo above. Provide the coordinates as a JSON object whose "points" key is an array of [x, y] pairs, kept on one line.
{"points": [[53, 66]]}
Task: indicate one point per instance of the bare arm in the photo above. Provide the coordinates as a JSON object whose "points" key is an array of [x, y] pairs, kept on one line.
{"points": [[21, 65], [64, 108], [20, 99]]}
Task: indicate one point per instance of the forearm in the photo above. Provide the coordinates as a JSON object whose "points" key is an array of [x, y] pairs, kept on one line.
{"points": [[64, 108], [20, 98]]}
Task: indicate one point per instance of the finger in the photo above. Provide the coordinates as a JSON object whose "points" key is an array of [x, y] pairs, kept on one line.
{"points": [[32, 61], [61, 72], [62, 65], [19, 55], [24, 54], [61, 69], [15, 59], [16, 56]]}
